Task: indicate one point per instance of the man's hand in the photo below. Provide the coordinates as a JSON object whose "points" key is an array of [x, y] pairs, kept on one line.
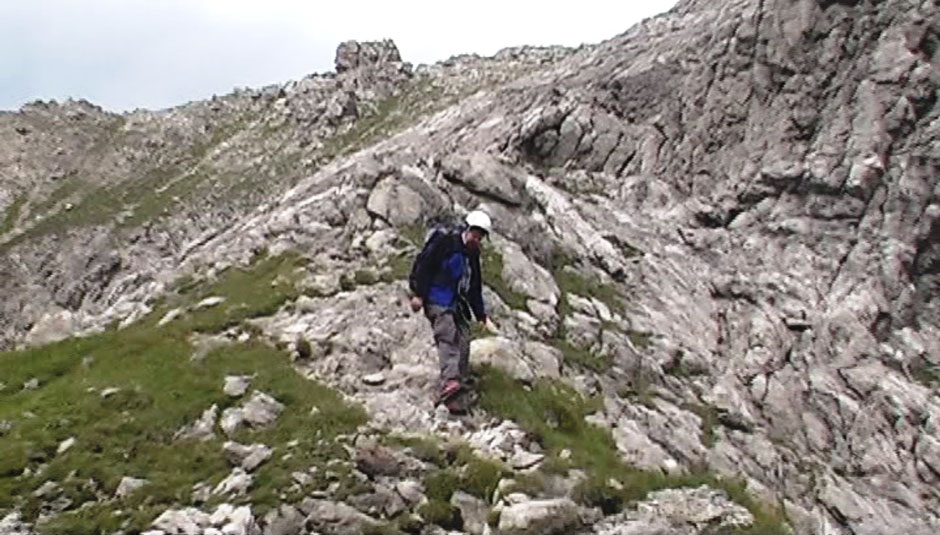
{"points": [[416, 303], [490, 326]]}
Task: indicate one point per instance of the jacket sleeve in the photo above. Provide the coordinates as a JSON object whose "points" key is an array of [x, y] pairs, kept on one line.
{"points": [[422, 270], [475, 296]]}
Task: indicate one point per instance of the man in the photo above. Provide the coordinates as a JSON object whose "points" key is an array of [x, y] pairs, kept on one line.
{"points": [[446, 280]]}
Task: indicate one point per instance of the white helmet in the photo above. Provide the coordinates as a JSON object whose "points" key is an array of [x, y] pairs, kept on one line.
{"points": [[480, 220]]}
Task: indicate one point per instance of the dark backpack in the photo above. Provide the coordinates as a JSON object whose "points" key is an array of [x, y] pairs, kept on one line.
{"points": [[437, 229]]}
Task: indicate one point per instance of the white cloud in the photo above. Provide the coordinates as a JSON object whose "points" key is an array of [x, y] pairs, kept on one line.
{"points": [[146, 53]]}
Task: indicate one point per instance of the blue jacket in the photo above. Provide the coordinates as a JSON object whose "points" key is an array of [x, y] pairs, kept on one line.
{"points": [[438, 270]]}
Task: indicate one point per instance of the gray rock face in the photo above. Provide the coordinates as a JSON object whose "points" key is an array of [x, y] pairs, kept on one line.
{"points": [[334, 518], [757, 179], [237, 483], [236, 385], [678, 511], [12, 524], [285, 520], [188, 521], [353, 55], [539, 516], [473, 511]]}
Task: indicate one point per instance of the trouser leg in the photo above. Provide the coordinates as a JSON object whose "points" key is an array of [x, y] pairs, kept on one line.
{"points": [[447, 338], [463, 346]]}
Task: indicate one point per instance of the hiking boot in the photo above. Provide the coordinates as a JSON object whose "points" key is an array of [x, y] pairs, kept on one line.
{"points": [[456, 405], [449, 390]]}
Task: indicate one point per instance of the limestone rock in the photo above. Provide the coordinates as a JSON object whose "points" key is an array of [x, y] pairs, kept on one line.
{"points": [[128, 485], [189, 521], [539, 516], [203, 428], [261, 410], [247, 457], [236, 385]]}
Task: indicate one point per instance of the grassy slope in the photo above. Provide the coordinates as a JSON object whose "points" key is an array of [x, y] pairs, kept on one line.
{"points": [[162, 388]]}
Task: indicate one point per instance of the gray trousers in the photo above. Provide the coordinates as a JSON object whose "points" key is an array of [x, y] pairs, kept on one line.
{"points": [[452, 337]]}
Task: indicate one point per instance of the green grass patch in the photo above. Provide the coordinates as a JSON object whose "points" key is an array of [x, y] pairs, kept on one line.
{"points": [[130, 433], [461, 469], [579, 356], [11, 214], [424, 448], [491, 264], [478, 476], [258, 289], [161, 389], [554, 414], [398, 267], [572, 282], [440, 484], [414, 233], [925, 373]]}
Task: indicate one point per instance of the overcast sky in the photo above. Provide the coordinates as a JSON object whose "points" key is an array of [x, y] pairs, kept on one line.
{"points": [[125, 54]]}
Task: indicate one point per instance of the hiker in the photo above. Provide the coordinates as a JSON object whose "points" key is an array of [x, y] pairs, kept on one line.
{"points": [[446, 280]]}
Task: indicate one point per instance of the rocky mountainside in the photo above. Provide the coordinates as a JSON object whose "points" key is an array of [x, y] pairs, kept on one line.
{"points": [[716, 249]]}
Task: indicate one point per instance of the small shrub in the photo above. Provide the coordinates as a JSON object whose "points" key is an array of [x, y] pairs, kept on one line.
{"points": [[304, 349], [441, 484], [365, 277]]}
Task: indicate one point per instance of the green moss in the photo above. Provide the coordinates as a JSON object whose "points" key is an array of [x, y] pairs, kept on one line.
{"points": [[426, 449], [399, 268], [534, 483], [925, 373], [441, 513], [768, 520], [572, 282], [409, 523], [365, 277], [383, 528], [413, 233], [575, 355], [11, 214], [479, 476]]}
